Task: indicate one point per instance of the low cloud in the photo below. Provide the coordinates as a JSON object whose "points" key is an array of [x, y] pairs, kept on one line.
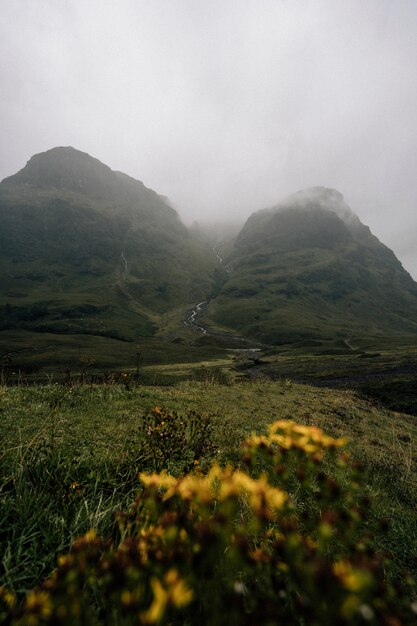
{"points": [[225, 107]]}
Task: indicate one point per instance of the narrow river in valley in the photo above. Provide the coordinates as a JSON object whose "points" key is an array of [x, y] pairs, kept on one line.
{"points": [[191, 317]]}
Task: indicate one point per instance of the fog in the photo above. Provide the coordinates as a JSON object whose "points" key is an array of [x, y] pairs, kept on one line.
{"points": [[226, 107]]}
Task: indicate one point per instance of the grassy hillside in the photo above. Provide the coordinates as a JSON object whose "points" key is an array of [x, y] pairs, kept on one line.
{"points": [[89, 251], [387, 375], [309, 271], [60, 476]]}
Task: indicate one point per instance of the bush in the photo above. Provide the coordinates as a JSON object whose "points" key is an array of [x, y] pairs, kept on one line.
{"points": [[284, 542], [175, 441]]}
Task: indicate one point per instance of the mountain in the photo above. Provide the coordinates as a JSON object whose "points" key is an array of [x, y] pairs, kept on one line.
{"points": [[308, 272], [91, 253], [85, 249]]}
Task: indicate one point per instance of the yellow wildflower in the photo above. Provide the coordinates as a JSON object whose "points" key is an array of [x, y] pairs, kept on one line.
{"points": [[126, 598], [162, 480], [174, 592], [352, 578], [39, 602], [8, 597], [179, 594], [65, 559], [90, 535], [159, 603]]}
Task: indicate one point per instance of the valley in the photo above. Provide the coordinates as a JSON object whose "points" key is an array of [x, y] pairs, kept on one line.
{"points": [[97, 267], [208, 313], [131, 345]]}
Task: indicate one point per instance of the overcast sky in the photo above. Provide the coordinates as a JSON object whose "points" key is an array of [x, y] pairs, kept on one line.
{"points": [[225, 106]]}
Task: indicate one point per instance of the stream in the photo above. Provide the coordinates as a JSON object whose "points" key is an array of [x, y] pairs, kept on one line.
{"points": [[190, 320]]}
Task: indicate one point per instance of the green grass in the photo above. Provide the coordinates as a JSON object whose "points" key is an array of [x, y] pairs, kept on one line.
{"points": [[387, 376], [47, 356], [71, 455], [103, 260], [302, 275]]}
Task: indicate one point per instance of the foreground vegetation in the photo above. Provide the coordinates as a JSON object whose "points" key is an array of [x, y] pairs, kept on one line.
{"points": [[71, 458]]}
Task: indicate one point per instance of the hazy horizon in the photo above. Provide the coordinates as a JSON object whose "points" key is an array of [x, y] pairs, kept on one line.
{"points": [[225, 108]]}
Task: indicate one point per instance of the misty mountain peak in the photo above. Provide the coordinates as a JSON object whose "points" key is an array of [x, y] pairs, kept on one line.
{"points": [[59, 159], [312, 217], [321, 198], [65, 171], [63, 168], [64, 175]]}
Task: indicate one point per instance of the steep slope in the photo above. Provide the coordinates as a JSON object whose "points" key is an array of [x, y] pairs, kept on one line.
{"points": [[87, 249], [309, 271]]}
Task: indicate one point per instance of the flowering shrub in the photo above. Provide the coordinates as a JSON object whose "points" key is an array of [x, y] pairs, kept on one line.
{"points": [[282, 542], [175, 441]]}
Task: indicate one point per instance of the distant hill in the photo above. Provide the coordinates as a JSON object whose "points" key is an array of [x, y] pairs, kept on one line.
{"points": [[308, 272], [85, 249]]}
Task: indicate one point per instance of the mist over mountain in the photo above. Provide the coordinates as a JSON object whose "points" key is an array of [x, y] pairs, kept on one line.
{"points": [[87, 249], [307, 270], [68, 170]]}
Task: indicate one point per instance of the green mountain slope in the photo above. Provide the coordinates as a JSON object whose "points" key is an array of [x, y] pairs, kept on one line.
{"points": [[308, 271], [84, 249]]}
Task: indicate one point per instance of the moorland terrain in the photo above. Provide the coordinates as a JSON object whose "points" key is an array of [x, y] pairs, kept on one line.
{"points": [[97, 269], [130, 343]]}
